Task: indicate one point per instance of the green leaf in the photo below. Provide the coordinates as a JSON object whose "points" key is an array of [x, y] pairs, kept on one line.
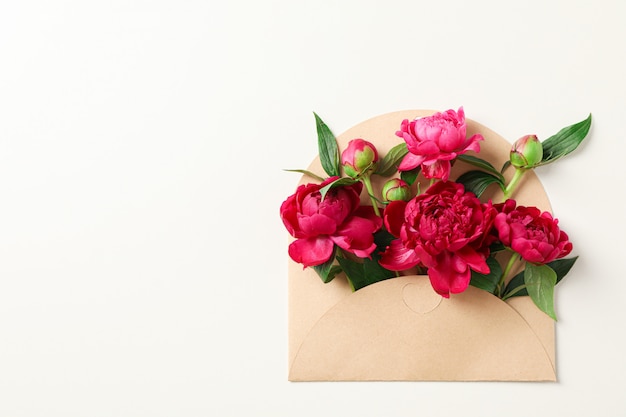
{"points": [[389, 165], [363, 274], [305, 172], [410, 176], [478, 181], [327, 271], [368, 271], [481, 163], [339, 182], [496, 247], [540, 281], [561, 267], [382, 239], [328, 150], [374, 272], [565, 141], [354, 272], [488, 282]]}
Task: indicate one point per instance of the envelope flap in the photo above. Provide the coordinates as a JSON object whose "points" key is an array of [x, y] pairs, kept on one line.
{"points": [[400, 329]]}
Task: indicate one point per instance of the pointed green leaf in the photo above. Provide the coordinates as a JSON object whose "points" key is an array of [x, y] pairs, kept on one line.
{"points": [[540, 281], [478, 181], [561, 267], [339, 182], [368, 271], [410, 176], [565, 141], [327, 271], [305, 172], [496, 247], [328, 150], [361, 275], [488, 282], [382, 239], [389, 165], [354, 272], [481, 163]]}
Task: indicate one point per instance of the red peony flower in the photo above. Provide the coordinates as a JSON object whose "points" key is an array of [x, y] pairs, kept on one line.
{"points": [[534, 235], [442, 229], [319, 224], [436, 140]]}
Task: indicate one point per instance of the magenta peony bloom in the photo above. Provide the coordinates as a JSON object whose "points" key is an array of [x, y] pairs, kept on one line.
{"points": [[534, 235], [358, 156], [443, 229], [337, 220], [436, 140]]}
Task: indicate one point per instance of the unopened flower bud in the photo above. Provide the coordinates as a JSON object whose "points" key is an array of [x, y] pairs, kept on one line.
{"points": [[358, 156], [396, 190], [526, 152]]}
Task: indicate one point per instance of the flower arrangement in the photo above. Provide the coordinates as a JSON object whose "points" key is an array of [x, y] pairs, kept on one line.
{"points": [[424, 221]]}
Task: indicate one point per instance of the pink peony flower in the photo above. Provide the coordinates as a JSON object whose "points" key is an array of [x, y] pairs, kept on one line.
{"points": [[443, 229], [436, 140], [319, 224], [534, 235], [358, 156]]}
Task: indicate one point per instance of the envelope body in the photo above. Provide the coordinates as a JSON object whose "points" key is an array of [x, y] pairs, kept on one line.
{"points": [[400, 329]]}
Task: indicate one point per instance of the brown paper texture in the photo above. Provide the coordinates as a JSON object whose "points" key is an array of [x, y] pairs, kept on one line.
{"points": [[400, 329]]}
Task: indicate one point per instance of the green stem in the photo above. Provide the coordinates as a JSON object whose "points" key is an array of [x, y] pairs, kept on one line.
{"points": [[368, 185], [510, 188], [513, 292], [505, 273]]}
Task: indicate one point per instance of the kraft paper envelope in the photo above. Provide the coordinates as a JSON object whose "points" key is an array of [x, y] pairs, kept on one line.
{"points": [[400, 329]]}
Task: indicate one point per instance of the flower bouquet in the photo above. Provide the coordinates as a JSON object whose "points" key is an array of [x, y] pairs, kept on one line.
{"points": [[422, 205]]}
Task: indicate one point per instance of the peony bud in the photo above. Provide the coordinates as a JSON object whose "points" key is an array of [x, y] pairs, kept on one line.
{"points": [[526, 152], [396, 190], [358, 156]]}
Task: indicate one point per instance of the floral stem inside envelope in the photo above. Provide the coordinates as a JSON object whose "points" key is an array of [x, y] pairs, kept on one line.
{"points": [[432, 204]]}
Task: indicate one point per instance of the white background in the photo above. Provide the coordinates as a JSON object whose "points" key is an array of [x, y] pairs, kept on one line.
{"points": [[142, 258]]}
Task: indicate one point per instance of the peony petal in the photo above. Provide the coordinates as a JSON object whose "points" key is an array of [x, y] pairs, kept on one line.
{"points": [[474, 143], [288, 214], [410, 161], [428, 130], [367, 212], [357, 235], [315, 225], [311, 252], [460, 115], [547, 251], [448, 277], [473, 259], [439, 169], [398, 258], [565, 250], [364, 253], [340, 202], [394, 217], [503, 228], [527, 250], [450, 140], [426, 148]]}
